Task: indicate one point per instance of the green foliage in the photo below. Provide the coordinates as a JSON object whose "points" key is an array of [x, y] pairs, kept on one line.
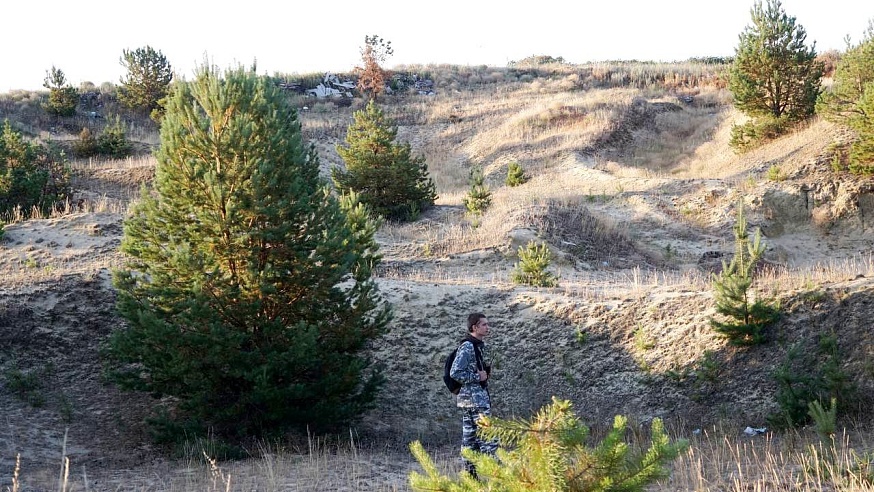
{"points": [[861, 158], [824, 419], [515, 174], [147, 81], [479, 196], [63, 97], [754, 132], [86, 145], [812, 376], [247, 291], [850, 102], [25, 385], [774, 73], [775, 173], [31, 175], [732, 290], [549, 453], [113, 141], [532, 264], [385, 175]]}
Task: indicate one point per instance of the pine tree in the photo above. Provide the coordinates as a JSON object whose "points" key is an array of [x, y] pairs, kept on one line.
{"points": [[532, 267], [733, 290], [774, 72], [247, 291], [479, 196], [386, 176], [515, 174], [549, 453], [849, 101], [147, 81], [31, 175], [63, 97], [775, 77]]}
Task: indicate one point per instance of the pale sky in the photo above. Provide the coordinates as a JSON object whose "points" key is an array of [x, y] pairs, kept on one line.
{"points": [[86, 39]]}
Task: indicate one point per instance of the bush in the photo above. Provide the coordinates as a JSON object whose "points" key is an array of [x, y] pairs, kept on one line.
{"points": [[113, 141], [31, 175], [86, 146], [531, 268], [479, 197], [811, 376], [551, 453], [515, 174], [757, 131]]}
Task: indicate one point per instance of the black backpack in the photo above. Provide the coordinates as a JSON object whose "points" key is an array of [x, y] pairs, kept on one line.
{"points": [[452, 385]]}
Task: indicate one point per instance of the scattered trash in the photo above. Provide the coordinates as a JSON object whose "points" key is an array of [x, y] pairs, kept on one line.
{"points": [[696, 431], [750, 431]]}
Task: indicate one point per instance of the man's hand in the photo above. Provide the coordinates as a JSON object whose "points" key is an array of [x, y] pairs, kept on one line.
{"points": [[483, 375]]}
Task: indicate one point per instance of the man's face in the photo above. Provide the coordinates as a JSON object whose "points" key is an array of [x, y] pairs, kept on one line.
{"points": [[481, 329]]}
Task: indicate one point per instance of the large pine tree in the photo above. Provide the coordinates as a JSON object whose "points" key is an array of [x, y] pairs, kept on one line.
{"points": [[247, 293], [775, 74], [388, 178]]}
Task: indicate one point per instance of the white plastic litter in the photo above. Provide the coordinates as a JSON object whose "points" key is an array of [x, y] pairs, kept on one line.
{"points": [[752, 431]]}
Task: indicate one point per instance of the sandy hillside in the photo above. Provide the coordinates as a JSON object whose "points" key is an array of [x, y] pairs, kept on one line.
{"points": [[634, 234]]}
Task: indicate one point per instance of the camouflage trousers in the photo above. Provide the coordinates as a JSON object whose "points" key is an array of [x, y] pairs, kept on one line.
{"points": [[469, 438]]}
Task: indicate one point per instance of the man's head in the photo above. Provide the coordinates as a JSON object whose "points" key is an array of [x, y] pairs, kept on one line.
{"points": [[478, 325]]}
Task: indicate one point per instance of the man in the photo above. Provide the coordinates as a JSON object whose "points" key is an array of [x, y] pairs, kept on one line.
{"points": [[469, 369]]}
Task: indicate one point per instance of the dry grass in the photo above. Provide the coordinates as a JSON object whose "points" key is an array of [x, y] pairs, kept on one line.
{"points": [[720, 458]]}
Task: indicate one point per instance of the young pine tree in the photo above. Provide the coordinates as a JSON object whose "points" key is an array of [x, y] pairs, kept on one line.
{"points": [[247, 290], [515, 174], [732, 288], [63, 97], [385, 175], [147, 80], [532, 266], [775, 77], [549, 453], [479, 197]]}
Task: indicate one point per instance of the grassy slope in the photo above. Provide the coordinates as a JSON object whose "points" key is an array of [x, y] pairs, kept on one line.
{"points": [[629, 186]]}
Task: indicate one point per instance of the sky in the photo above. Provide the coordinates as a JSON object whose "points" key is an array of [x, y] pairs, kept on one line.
{"points": [[86, 39]]}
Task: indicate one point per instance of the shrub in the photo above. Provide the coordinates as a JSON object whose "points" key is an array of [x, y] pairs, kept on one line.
{"points": [[31, 175], [113, 141], [479, 197], [811, 376], [531, 268], [247, 292], [757, 131], [550, 452], [515, 174], [86, 145]]}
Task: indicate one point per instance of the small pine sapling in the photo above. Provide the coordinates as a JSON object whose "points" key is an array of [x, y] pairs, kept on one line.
{"points": [[479, 197], [747, 316], [531, 268], [550, 452], [515, 174]]}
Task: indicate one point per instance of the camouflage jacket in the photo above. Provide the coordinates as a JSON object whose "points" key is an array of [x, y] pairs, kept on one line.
{"points": [[464, 370]]}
